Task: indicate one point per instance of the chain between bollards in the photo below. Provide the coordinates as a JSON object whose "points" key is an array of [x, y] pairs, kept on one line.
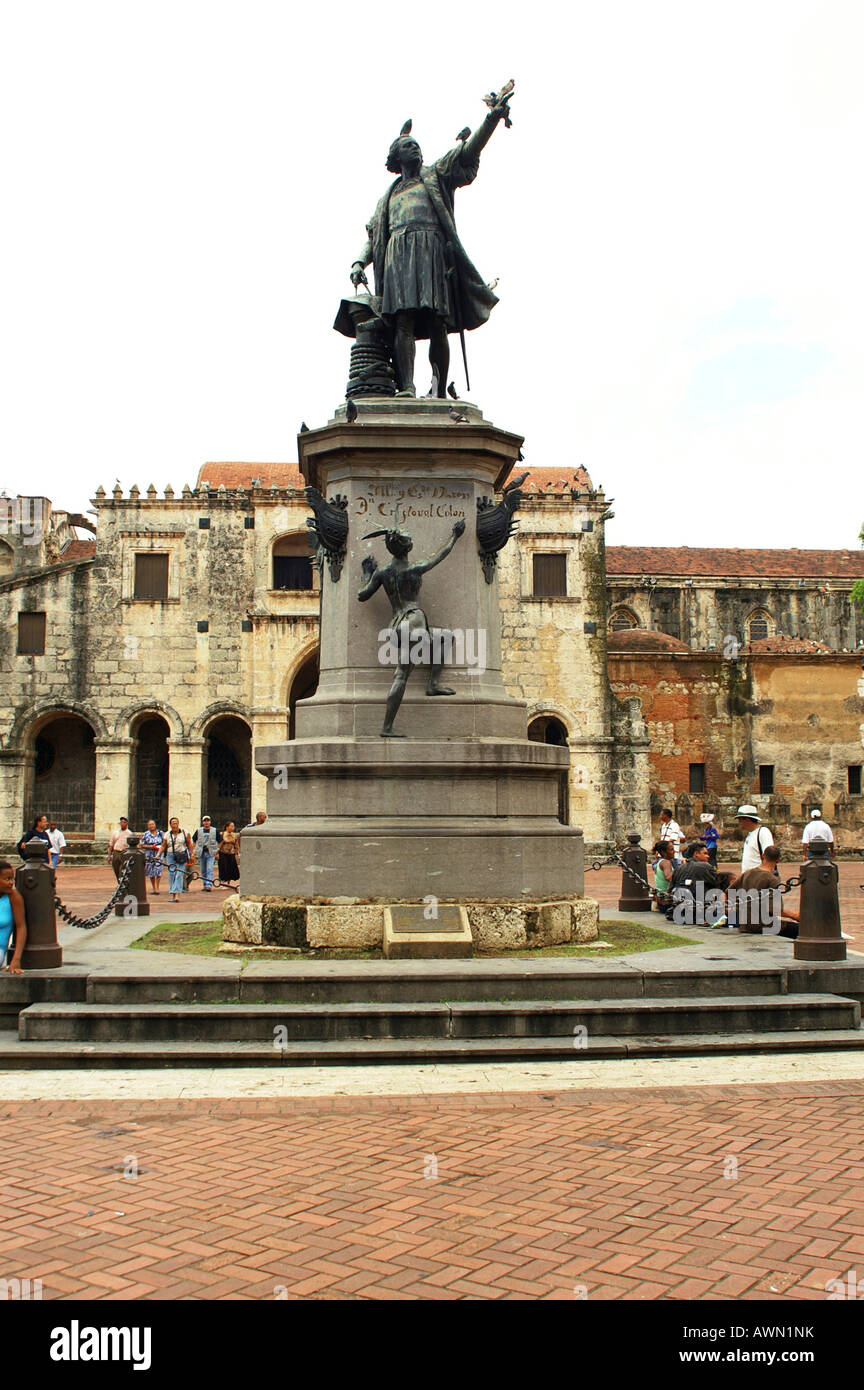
{"points": [[96, 920]]}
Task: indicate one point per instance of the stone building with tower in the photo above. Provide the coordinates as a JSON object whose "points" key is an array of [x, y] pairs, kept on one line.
{"points": [[143, 661]]}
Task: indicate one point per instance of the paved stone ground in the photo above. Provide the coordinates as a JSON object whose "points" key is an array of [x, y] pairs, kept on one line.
{"points": [[717, 1192]]}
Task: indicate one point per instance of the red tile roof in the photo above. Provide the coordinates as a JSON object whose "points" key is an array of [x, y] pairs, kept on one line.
{"points": [[241, 474], [732, 564], [640, 639], [78, 550], [785, 644], [561, 479]]}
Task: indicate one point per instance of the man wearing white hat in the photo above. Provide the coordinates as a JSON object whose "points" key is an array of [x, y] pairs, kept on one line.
{"points": [[757, 837], [816, 829]]}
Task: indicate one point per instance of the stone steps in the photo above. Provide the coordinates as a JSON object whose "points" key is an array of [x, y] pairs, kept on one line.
{"points": [[18, 1056], [426, 1023], [400, 982]]}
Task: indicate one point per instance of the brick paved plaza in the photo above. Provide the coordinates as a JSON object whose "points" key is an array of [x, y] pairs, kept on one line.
{"points": [[714, 1192]]}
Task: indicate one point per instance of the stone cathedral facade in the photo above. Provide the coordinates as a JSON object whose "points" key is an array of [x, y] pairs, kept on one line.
{"points": [[147, 649]]}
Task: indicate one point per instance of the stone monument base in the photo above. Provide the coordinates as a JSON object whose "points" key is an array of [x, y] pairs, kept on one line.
{"points": [[268, 921]]}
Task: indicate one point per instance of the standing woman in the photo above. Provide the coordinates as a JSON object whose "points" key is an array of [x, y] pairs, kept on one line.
{"points": [[229, 850], [11, 919], [176, 848], [151, 840]]}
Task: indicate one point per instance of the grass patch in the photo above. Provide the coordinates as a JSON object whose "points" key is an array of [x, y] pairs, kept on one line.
{"points": [[624, 938], [205, 938]]}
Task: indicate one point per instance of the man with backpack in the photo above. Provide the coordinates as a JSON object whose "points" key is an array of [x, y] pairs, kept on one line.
{"points": [[757, 837]]}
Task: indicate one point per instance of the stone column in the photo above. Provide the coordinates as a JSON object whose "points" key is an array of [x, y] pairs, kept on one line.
{"points": [[113, 778], [15, 777], [185, 780]]}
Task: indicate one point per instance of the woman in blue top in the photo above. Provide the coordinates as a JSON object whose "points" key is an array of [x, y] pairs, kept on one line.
{"points": [[11, 919], [709, 838]]}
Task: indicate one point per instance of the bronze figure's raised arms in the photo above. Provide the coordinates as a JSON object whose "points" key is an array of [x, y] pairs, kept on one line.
{"points": [[401, 581], [427, 285]]}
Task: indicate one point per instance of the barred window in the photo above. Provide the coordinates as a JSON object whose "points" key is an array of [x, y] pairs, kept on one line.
{"points": [[550, 576], [151, 576], [697, 778], [853, 773], [31, 634], [758, 629], [766, 779]]}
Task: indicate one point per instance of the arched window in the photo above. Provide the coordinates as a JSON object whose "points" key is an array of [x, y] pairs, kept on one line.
{"points": [[292, 562], [622, 619], [759, 626]]}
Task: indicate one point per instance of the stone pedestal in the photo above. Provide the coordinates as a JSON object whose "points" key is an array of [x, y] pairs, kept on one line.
{"points": [[463, 806]]}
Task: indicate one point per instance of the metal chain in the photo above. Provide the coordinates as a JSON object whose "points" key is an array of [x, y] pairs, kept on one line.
{"points": [[791, 883], [88, 923]]}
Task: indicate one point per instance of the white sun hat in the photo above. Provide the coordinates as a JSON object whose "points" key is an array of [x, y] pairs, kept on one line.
{"points": [[749, 811], [815, 815]]}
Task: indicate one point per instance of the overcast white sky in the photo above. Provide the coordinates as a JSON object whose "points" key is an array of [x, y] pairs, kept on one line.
{"points": [[675, 220]]}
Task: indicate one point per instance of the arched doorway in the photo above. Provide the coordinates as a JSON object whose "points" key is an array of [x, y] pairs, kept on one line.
{"points": [[63, 784], [303, 687], [546, 728], [149, 799], [227, 789]]}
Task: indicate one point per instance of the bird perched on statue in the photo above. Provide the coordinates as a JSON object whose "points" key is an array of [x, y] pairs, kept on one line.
{"points": [[464, 133], [451, 391], [351, 411], [304, 428], [493, 99], [496, 522], [457, 417]]}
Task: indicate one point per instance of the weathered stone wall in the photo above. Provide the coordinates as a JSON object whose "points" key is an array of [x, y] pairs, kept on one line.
{"points": [[801, 714]]}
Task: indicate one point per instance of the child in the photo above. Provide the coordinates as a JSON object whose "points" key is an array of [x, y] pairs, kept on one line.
{"points": [[11, 919], [710, 836]]}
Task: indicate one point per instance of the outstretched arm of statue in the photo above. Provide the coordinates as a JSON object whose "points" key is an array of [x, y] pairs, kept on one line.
{"points": [[373, 576], [423, 565], [471, 147], [358, 267]]}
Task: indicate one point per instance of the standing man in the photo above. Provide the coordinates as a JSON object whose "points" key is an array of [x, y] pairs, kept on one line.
{"points": [[670, 830], [427, 285], [206, 840], [58, 844], [117, 846], [757, 837], [817, 829]]}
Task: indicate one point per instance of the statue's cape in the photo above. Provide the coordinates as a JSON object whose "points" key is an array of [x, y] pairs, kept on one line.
{"points": [[441, 179]]}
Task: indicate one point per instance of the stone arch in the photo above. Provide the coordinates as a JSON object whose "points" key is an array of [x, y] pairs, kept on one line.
{"points": [[226, 769], [61, 775], [28, 721], [216, 711], [7, 558], [548, 728], [622, 619], [132, 715], [765, 626], [301, 682]]}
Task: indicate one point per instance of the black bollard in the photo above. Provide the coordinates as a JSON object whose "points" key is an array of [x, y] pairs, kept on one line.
{"points": [[136, 883], [35, 882], [819, 929], [635, 893]]}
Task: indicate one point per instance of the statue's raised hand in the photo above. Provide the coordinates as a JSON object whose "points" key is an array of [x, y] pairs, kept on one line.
{"points": [[459, 527], [368, 565]]}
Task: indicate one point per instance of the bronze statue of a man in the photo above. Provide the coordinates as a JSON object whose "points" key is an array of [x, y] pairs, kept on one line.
{"points": [[401, 581], [427, 285]]}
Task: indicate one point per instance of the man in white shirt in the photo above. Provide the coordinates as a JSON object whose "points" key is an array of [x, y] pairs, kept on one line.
{"points": [[58, 843], [671, 831], [757, 837], [816, 829]]}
